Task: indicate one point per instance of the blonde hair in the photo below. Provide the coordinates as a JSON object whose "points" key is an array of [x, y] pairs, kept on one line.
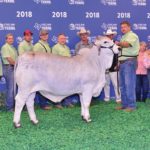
{"points": [[144, 45]]}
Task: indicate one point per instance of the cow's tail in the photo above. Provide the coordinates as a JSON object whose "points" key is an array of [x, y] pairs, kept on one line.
{"points": [[15, 84]]}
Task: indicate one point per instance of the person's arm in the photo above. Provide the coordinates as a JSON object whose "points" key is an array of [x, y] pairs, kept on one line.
{"points": [[10, 60], [55, 50], [21, 49], [129, 42], [5, 54], [124, 44]]}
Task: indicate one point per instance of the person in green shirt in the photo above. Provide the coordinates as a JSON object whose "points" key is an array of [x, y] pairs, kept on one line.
{"points": [[9, 56], [26, 44], [128, 62], [43, 46], [63, 50]]}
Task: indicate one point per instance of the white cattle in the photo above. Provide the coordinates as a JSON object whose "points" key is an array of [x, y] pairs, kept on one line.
{"points": [[57, 77]]}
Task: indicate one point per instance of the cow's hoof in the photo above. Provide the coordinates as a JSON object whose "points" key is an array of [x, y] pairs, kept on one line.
{"points": [[82, 118], [34, 122], [86, 120], [17, 125]]}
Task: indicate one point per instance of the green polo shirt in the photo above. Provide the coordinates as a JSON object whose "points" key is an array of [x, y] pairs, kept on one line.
{"points": [[8, 51], [42, 46], [62, 50], [25, 46], [133, 40]]}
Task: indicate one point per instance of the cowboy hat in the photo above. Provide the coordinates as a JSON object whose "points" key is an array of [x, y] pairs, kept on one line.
{"points": [[110, 32], [83, 31]]}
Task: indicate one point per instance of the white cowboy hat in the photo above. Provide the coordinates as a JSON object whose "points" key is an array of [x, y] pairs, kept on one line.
{"points": [[83, 31], [110, 32]]}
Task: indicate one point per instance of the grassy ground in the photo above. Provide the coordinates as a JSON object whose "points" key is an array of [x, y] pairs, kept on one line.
{"points": [[64, 129]]}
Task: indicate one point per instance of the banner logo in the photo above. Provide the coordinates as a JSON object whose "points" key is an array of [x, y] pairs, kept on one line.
{"points": [[76, 26], [43, 2], [7, 1], [109, 2], [139, 2], [7, 26], [139, 26], [111, 26], [46, 26], [76, 2]]}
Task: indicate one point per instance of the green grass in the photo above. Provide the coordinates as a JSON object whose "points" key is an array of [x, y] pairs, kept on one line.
{"points": [[64, 129]]}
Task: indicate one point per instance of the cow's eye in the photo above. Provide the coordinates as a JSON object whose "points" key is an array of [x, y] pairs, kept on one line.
{"points": [[105, 42]]}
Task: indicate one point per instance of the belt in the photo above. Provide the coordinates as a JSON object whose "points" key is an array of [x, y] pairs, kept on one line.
{"points": [[8, 65], [129, 59]]}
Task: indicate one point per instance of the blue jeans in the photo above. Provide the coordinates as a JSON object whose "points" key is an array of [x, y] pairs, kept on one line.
{"points": [[128, 83], [65, 102], [8, 71], [142, 87], [43, 101]]}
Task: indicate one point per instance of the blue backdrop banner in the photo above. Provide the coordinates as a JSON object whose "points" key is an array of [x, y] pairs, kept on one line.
{"points": [[68, 16]]}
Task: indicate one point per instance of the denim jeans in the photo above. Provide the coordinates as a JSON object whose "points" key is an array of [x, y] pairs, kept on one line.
{"points": [[8, 71], [65, 102], [43, 101], [128, 83], [142, 87]]}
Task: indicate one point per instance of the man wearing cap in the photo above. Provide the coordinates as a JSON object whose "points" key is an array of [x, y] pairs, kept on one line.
{"points": [[84, 43], [127, 72], [42, 45], [26, 44], [9, 56], [63, 50], [112, 73]]}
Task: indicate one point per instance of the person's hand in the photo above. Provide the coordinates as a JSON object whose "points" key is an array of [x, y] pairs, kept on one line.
{"points": [[116, 67], [117, 43]]}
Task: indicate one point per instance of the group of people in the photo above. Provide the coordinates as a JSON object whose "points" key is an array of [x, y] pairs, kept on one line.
{"points": [[128, 72], [9, 56]]}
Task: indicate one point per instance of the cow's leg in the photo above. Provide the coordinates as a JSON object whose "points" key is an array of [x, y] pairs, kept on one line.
{"points": [[82, 107], [20, 102], [30, 108], [86, 100]]}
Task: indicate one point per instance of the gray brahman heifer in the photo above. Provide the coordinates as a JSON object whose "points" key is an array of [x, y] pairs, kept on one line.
{"points": [[57, 77]]}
